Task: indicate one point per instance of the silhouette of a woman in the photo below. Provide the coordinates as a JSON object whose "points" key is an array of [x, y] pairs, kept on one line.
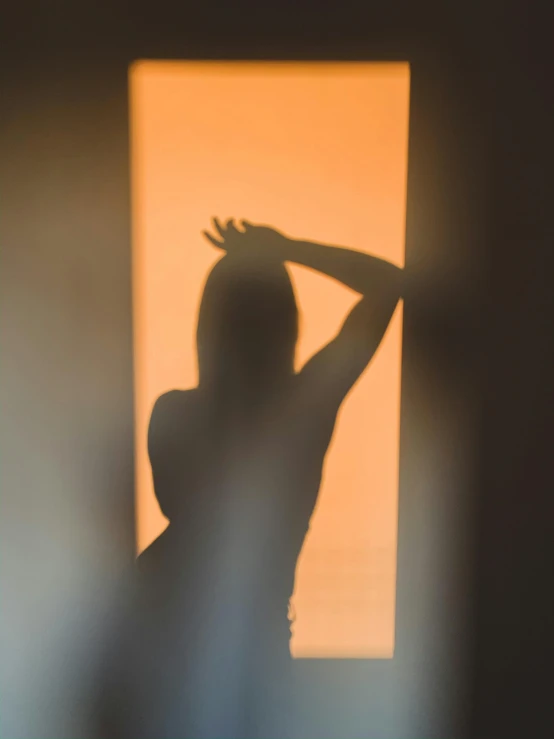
{"points": [[237, 465]]}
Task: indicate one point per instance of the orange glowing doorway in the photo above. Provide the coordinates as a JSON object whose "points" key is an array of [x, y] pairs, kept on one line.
{"points": [[320, 151]]}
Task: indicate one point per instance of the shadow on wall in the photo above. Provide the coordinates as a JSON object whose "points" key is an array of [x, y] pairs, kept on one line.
{"points": [[237, 464]]}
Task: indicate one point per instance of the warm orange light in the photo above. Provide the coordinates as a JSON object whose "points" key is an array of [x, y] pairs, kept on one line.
{"points": [[319, 151]]}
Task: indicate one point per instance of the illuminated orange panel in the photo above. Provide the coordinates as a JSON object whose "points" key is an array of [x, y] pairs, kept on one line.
{"points": [[320, 152]]}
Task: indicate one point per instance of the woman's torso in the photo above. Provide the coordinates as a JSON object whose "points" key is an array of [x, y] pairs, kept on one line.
{"points": [[243, 488]]}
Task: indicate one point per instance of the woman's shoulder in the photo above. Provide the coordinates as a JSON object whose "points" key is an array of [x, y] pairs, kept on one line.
{"points": [[174, 402], [171, 410], [176, 398]]}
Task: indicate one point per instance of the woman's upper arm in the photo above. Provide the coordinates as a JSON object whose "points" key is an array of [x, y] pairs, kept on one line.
{"points": [[162, 420], [331, 373], [165, 430]]}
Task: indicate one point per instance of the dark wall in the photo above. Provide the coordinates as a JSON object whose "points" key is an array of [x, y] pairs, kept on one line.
{"points": [[514, 555], [475, 609]]}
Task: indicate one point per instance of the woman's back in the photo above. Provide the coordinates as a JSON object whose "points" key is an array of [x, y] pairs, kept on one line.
{"points": [[239, 486]]}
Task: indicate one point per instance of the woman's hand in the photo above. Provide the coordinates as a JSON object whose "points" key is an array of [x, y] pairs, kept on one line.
{"points": [[227, 237], [256, 238]]}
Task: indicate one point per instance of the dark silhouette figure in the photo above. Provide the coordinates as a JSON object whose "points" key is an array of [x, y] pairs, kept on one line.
{"points": [[237, 464]]}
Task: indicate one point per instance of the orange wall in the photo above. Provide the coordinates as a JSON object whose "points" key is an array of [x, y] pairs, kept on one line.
{"points": [[319, 151]]}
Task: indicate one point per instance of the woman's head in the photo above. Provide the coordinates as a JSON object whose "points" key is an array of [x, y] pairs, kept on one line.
{"points": [[247, 324]]}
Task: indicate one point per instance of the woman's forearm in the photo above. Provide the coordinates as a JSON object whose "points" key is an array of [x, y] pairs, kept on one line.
{"points": [[359, 271]]}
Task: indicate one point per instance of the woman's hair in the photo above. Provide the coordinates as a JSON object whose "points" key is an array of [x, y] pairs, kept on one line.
{"points": [[247, 323]]}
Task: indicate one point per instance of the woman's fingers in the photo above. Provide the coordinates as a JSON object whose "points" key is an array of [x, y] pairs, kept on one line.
{"points": [[230, 226], [219, 227], [212, 239], [227, 232]]}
